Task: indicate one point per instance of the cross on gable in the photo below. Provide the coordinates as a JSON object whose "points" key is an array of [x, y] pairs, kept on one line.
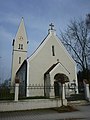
{"points": [[51, 26]]}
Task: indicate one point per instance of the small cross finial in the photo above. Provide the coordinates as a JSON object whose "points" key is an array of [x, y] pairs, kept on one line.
{"points": [[51, 26]]}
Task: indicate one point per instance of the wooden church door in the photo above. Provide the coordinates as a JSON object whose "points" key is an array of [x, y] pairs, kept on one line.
{"points": [[57, 89]]}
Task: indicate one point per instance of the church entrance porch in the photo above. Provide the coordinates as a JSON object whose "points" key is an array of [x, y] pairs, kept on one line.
{"points": [[54, 86], [54, 77], [60, 80]]}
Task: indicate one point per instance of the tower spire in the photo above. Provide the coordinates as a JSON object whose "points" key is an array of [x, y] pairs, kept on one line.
{"points": [[19, 53]]}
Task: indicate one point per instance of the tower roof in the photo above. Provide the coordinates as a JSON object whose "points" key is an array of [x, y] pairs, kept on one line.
{"points": [[21, 33]]}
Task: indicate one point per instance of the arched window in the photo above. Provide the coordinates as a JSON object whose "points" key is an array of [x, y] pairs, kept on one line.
{"points": [[53, 50], [19, 60], [20, 46]]}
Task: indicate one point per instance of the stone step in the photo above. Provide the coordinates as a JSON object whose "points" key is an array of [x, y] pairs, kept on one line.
{"points": [[75, 97], [79, 102]]}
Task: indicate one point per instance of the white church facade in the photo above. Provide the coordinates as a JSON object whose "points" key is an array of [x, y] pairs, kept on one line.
{"points": [[49, 59]]}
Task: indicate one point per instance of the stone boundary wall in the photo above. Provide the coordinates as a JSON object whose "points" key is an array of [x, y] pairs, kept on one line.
{"points": [[30, 104]]}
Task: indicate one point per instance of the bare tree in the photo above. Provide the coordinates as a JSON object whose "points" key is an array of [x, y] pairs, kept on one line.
{"points": [[76, 38], [88, 20]]}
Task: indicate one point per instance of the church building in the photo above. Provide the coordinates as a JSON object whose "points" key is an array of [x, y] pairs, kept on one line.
{"points": [[48, 60]]}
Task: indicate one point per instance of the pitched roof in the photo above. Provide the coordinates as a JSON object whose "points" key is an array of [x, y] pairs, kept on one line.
{"points": [[51, 68], [45, 41], [24, 62], [38, 46]]}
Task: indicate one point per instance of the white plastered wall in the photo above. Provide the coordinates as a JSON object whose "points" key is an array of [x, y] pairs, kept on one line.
{"points": [[42, 60]]}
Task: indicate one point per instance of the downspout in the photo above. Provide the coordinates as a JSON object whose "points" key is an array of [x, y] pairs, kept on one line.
{"points": [[76, 80], [27, 90]]}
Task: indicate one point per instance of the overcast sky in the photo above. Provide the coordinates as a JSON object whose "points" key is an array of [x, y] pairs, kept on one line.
{"points": [[38, 14]]}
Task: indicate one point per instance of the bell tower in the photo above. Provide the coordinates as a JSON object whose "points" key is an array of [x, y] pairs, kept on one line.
{"points": [[19, 53]]}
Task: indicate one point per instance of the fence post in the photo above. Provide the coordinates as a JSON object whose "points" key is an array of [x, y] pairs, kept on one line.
{"points": [[16, 91], [87, 91], [63, 91]]}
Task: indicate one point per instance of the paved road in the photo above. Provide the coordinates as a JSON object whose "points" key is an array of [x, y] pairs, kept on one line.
{"points": [[82, 114]]}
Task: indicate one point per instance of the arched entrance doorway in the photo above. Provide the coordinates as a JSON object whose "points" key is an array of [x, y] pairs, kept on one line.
{"points": [[57, 89], [60, 79]]}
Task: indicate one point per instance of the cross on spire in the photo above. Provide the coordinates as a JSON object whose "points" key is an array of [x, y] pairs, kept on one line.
{"points": [[51, 26]]}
